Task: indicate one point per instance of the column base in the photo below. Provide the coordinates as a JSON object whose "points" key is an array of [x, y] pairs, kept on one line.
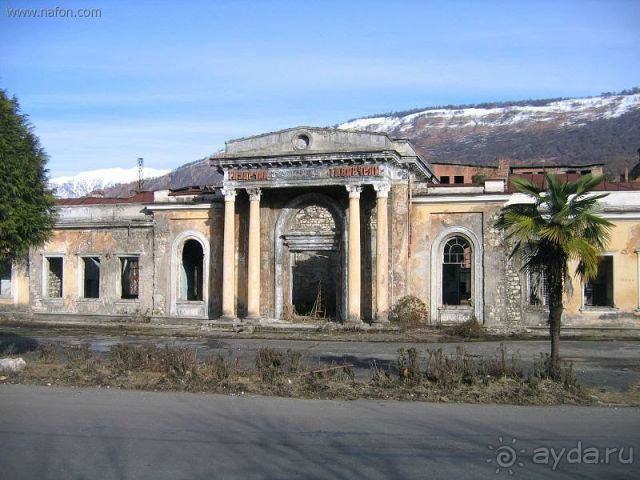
{"points": [[252, 320], [354, 322]]}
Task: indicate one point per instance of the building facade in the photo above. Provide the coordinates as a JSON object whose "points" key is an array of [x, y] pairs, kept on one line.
{"points": [[322, 222]]}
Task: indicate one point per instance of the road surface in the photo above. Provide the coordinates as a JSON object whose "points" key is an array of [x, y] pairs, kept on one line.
{"points": [[64, 433]]}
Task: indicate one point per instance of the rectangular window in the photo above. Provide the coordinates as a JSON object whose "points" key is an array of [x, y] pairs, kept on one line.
{"points": [[538, 289], [129, 277], [54, 277], [458, 179], [445, 179], [5, 279], [91, 277], [598, 292]]}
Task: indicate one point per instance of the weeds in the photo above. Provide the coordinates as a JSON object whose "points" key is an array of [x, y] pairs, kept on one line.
{"points": [[428, 375], [47, 352]]}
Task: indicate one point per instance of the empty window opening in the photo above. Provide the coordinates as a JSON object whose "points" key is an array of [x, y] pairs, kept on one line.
{"points": [[130, 277], [91, 277], [598, 292], [458, 179], [54, 277], [192, 271], [456, 272], [538, 288], [5, 279], [585, 172], [445, 179]]}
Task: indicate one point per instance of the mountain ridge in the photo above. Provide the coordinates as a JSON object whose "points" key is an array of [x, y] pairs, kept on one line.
{"points": [[568, 131]]}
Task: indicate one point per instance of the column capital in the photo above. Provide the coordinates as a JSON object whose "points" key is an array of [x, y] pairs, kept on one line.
{"points": [[354, 190], [382, 189], [254, 194], [229, 194]]}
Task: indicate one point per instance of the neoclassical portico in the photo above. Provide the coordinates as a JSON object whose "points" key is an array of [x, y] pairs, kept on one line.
{"points": [[331, 172]]}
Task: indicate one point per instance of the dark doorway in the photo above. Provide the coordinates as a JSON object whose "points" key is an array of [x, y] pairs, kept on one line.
{"points": [[314, 282], [192, 271]]}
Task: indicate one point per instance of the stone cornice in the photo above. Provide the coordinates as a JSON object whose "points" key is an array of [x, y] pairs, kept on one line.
{"points": [[391, 157]]}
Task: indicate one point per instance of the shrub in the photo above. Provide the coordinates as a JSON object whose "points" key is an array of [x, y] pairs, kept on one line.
{"points": [[409, 311], [468, 329]]}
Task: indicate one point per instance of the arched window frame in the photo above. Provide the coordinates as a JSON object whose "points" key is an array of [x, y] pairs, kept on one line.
{"points": [[176, 265], [477, 272]]}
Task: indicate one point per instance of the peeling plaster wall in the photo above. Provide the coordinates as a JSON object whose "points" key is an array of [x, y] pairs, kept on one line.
{"points": [[19, 298], [501, 295], [179, 225], [108, 244]]}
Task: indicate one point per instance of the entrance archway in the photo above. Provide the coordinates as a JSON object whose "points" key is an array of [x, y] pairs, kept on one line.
{"points": [[310, 260]]}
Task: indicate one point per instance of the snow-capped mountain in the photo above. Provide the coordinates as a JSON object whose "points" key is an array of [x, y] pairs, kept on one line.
{"points": [[572, 112], [603, 129], [83, 183]]}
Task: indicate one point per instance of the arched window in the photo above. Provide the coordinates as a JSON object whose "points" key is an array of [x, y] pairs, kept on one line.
{"points": [[192, 271], [456, 272]]}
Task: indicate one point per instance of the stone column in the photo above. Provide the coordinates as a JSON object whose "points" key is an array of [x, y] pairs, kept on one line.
{"points": [[382, 254], [253, 275], [353, 308], [228, 256]]}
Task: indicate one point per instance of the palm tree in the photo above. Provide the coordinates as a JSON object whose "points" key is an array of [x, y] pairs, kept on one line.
{"points": [[556, 225]]}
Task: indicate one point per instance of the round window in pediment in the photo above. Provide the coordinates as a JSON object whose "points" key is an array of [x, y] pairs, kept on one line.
{"points": [[301, 141]]}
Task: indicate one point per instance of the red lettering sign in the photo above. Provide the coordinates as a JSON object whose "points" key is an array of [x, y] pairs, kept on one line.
{"points": [[355, 171]]}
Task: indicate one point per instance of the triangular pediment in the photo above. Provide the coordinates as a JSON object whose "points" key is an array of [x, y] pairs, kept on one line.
{"points": [[308, 140]]}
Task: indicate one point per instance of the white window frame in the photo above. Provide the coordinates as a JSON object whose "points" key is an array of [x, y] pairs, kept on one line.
{"points": [[45, 276], [118, 285], [81, 292]]}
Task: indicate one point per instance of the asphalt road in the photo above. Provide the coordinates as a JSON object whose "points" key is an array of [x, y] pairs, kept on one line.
{"points": [[55, 433]]}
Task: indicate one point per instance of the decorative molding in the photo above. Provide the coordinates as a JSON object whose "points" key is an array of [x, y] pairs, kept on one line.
{"points": [[382, 189], [184, 206], [229, 194], [254, 194], [175, 274], [354, 190], [437, 252], [461, 199]]}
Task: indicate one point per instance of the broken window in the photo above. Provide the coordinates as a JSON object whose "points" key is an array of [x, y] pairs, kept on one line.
{"points": [[54, 277], [445, 179], [456, 272], [129, 277], [192, 271], [5, 279], [598, 292], [458, 179], [538, 288], [91, 277]]}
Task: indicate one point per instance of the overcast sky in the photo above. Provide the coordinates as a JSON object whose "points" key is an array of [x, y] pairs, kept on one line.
{"points": [[171, 82]]}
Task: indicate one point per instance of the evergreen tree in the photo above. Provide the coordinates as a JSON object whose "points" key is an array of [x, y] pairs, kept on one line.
{"points": [[27, 206]]}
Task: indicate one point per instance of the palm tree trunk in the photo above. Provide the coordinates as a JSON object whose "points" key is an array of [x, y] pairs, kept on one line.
{"points": [[556, 307], [555, 315]]}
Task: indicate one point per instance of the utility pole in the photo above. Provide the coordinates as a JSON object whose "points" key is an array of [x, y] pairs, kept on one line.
{"points": [[140, 169]]}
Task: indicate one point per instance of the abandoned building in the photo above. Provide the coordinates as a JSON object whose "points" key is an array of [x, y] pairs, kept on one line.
{"points": [[332, 223]]}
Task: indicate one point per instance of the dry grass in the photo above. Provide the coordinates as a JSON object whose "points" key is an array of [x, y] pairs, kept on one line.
{"points": [[431, 375]]}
